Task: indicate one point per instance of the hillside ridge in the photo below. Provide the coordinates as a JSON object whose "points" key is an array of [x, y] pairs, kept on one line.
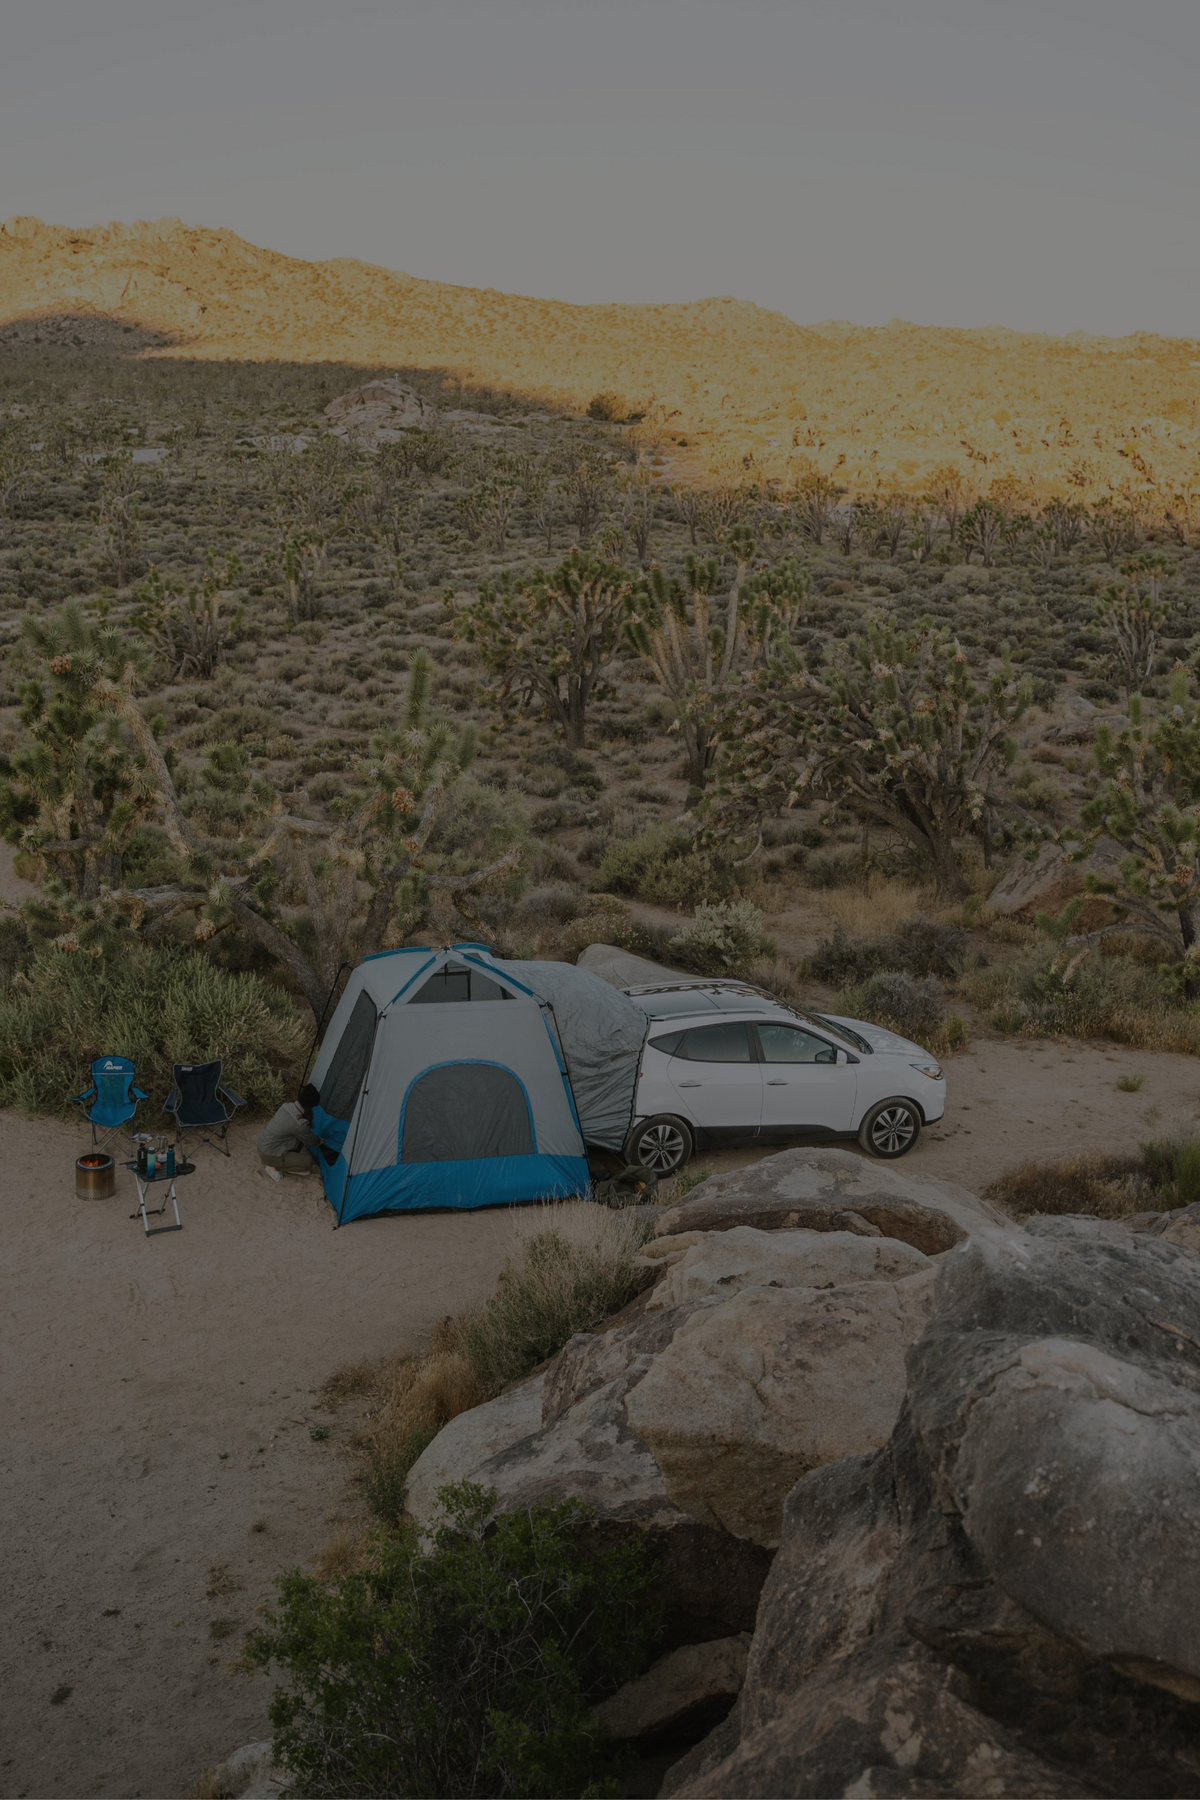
{"points": [[747, 388]]}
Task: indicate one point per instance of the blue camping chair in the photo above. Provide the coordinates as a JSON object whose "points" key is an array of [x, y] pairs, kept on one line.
{"points": [[111, 1100], [198, 1103]]}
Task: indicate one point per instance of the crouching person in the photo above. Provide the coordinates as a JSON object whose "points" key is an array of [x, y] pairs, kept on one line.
{"points": [[285, 1142]]}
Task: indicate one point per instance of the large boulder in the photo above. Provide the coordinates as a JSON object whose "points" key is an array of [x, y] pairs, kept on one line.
{"points": [[462, 1447], [754, 1391], [385, 406], [1002, 1601], [1047, 880], [566, 1435], [722, 1263], [833, 1190]]}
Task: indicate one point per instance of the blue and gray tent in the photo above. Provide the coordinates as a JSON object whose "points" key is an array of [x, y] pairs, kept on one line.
{"points": [[449, 1078]]}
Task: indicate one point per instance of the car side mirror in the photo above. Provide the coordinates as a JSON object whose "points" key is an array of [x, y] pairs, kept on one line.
{"points": [[844, 1056]]}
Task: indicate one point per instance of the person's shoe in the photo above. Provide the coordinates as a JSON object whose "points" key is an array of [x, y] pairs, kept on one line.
{"points": [[271, 1174]]}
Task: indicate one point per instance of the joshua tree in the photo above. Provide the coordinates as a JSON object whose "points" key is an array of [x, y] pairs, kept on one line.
{"points": [[1132, 618], [72, 798], [190, 631], [1150, 804], [893, 728], [695, 642], [550, 638]]}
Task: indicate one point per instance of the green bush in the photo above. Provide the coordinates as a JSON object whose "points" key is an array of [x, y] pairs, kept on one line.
{"points": [[566, 1278], [466, 1665], [724, 938], [158, 1006], [660, 866]]}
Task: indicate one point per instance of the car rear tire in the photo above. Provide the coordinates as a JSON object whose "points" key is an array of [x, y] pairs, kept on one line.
{"points": [[890, 1129], [660, 1145]]}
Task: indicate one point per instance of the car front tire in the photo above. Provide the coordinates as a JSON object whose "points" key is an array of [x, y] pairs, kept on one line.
{"points": [[890, 1129], [660, 1145]]}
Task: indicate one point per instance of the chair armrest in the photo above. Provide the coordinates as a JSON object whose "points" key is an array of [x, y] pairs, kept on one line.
{"points": [[230, 1095], [82, 1099], [138, 1094], [171, 1103]]}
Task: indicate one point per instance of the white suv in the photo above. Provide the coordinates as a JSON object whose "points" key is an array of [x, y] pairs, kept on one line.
{"points": [[726, 1064]]}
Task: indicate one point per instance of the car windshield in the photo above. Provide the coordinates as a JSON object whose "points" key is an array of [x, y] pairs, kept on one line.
{"points": [[839, 1030]]}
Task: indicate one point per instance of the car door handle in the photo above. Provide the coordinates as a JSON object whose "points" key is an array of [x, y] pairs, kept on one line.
{"points": [[690, 1084], [777, 1083]]}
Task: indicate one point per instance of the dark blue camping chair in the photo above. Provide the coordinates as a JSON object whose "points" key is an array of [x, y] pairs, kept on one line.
{"points": [[198, 1102], [111, 1100]]}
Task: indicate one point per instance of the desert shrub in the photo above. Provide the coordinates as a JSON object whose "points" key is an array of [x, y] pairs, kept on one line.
{"points": [[662, 867], [838, 869], [1114, 997], [607, 921], [158, 1005], [916, 1008], [606, 406], [569, 1275], [1104, 1185], [724, 936], [1164, 1174], [918, 946], [845, 961], [554, 904], [466, 1664]]}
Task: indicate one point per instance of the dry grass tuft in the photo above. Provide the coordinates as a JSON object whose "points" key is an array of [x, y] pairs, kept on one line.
{"points": [[342, 1555], [878, 907], [1104, 1185], [220, 1581], [350, 1382], [219, 1629]]}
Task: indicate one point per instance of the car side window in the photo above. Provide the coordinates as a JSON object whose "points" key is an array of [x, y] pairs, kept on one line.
{"points": [[788, 1044], [668, 1044], [725, 1043]]}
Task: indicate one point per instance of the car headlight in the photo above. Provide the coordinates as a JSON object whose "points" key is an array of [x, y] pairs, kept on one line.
{"points": [[933, 1070]]}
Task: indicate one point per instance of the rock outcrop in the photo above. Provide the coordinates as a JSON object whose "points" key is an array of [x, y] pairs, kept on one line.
{"points": [[1002, 1601], [377, 406], [753, 1392], [834, 1190], [721, 1263]]}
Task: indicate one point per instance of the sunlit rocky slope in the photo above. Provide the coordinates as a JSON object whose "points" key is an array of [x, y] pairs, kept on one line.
{"points": [[734, 380]]}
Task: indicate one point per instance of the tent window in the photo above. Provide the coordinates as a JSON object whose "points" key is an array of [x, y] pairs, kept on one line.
{"points": [[348, 1070], [463, 1111], [457, 982]]}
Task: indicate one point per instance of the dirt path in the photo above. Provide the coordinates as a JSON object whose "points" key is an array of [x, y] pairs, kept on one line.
{"points": [[157, 1398]]}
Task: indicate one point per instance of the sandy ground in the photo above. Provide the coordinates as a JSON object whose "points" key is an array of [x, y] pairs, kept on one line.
{"points": [[157, 1396]]}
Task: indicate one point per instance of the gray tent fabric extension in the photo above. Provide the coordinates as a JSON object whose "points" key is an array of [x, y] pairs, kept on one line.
{"points": [[601, 1034]]}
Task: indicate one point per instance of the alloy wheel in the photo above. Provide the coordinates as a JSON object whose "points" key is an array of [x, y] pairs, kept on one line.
{"points": [[661, 1148], [893, 1131]]}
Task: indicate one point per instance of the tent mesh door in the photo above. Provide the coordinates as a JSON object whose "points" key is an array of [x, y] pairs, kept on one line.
{"points": [[462, 1111]]}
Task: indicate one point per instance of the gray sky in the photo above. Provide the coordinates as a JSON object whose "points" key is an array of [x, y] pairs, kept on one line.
{"points": [[1030, 163]]}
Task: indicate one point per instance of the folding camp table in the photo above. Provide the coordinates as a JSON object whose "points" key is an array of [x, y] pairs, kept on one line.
{"points": [[144, 1213]]}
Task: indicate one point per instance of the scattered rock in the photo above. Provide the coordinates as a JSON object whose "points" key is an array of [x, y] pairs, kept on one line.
{"points": [[725, 1262], [376, 406], [249, 1774], [1002, 1600], [755, 1391], [1179, 1226], [693, 1678], [834, 1190]]}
